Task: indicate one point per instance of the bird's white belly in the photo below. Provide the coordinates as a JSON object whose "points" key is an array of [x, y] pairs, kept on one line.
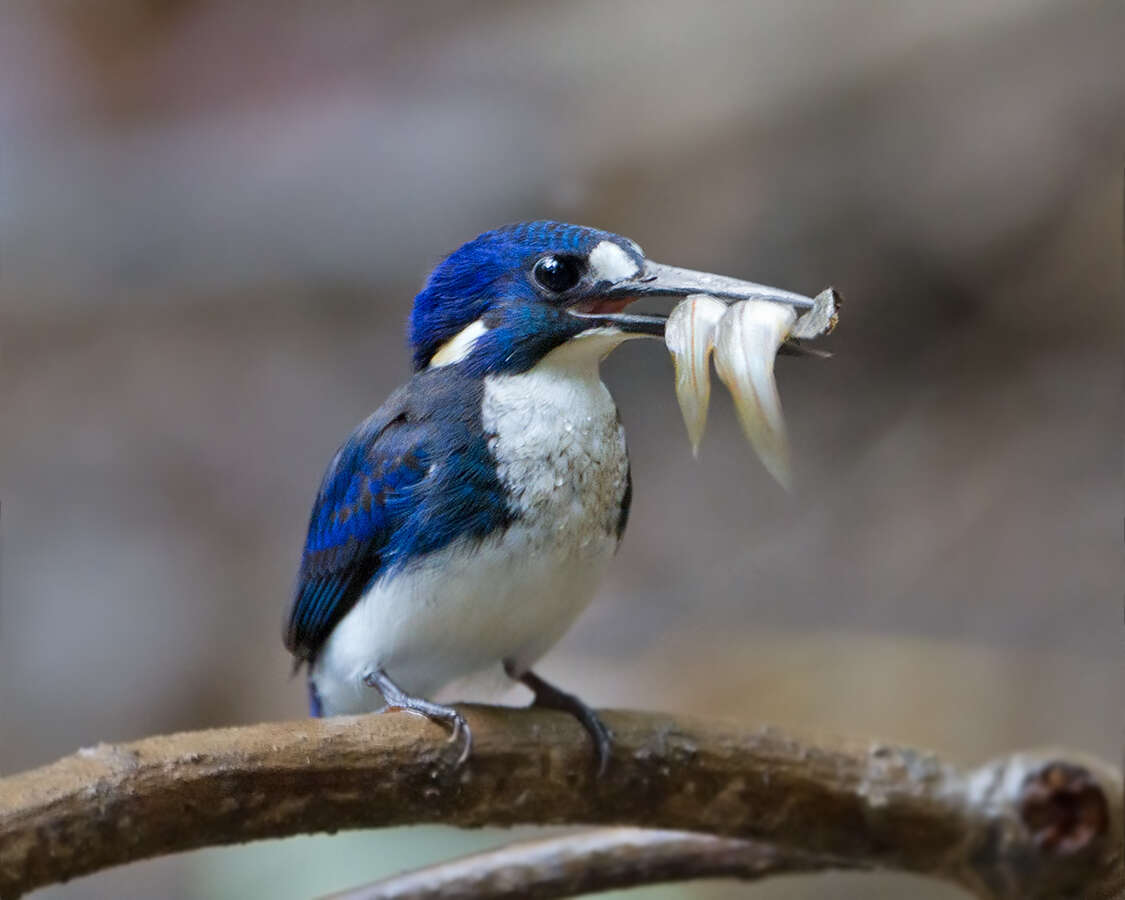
{"points": [[560, 451]]}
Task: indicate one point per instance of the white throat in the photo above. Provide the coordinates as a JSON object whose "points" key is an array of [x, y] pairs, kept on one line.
{"points": [[582, 354], [557, 439]]}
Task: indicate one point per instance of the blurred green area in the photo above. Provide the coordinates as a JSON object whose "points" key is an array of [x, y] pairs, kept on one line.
{"points": [[213, 218]]}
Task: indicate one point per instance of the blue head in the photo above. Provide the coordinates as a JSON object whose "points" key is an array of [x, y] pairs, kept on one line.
{"points": [[507, 298]]}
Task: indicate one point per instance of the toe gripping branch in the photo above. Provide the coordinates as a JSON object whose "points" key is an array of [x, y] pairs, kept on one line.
{"points": [[550, 697], [546, 695], [446, 716]]}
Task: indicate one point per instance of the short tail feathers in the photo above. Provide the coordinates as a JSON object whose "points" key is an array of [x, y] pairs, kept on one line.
{"points": [[316, 708]]}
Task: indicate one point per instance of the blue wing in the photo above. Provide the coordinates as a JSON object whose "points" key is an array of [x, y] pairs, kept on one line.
{"points": [[361, 500], [410, 479]]}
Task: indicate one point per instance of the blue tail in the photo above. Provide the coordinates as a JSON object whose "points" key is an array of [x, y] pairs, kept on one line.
{"points": [[316, 708]]}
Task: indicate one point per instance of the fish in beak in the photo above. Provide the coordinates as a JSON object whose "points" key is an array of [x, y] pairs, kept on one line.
{"points": [[745, 339], [742, 324]]}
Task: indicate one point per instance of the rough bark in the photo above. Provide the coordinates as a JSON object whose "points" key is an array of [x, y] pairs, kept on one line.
{"points": [[1027, 826]]}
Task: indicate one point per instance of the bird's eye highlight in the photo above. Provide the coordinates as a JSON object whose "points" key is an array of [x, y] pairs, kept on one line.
{"points": [[556, 273]]}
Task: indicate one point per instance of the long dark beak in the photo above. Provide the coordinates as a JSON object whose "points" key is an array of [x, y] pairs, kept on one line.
{"points": [[658, 280]]}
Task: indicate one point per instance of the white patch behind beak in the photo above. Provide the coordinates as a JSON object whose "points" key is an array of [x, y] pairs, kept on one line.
{"points": [[608, 262], [459, 346]]}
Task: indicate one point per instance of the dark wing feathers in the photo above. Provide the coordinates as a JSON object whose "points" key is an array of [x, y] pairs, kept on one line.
{"points": [[409, 480], [352, 519]]}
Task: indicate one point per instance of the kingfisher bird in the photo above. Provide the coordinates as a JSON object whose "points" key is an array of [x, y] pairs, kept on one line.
{"points": [[466, 523]]}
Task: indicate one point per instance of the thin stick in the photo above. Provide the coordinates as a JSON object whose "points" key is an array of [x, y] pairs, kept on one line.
{"points": [[600, 859]]}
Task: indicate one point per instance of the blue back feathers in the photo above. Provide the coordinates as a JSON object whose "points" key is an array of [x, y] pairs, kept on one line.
{"points": [[413, 477], [488, 278]]}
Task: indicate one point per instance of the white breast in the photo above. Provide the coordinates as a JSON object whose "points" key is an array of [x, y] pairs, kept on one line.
{"points": [[560, 451]]}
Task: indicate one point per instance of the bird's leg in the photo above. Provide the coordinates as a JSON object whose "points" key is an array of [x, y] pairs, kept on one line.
{"points": [[551, 697], [397, 698]]}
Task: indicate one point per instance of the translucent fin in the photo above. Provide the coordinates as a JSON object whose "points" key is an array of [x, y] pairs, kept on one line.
{"points": [[746, 345], [690, 336]]}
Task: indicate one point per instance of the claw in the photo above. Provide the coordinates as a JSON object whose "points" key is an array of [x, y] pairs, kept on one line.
{"points": [[603, 743], [550, 697], [459, 726], [397, 699]]}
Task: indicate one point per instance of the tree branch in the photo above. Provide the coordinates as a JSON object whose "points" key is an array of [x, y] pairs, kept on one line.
{"points": [[600, 859], [1027, 826]]}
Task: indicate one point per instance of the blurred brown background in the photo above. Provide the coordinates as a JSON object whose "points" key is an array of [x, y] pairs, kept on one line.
{"points": [[213, 218]]}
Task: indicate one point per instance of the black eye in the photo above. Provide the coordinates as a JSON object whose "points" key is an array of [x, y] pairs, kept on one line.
{"points": [[556, 273]]}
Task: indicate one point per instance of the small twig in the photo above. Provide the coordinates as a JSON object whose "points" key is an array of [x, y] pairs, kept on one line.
{"points": [[600, 859], [1026, 826]]}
